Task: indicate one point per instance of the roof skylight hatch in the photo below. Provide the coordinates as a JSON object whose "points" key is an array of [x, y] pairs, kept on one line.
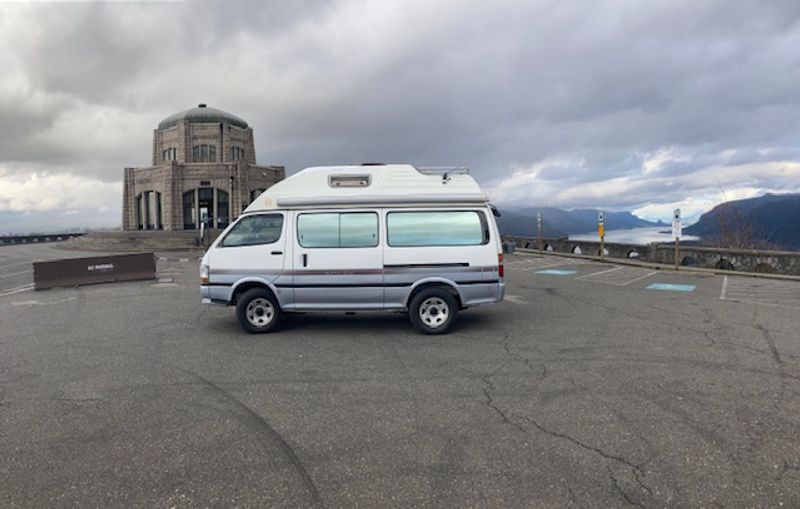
{"points": [[349, 180]]}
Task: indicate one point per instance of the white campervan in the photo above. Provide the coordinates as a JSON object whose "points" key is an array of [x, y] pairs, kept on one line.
{"points": [[354, 238]]}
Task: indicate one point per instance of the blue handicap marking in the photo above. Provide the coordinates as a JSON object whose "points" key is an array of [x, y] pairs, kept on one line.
{"points": [[671, 287], [555, 272]]}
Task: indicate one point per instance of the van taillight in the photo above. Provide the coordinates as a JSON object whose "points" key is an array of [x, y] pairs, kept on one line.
{"points": [[500, 270]]}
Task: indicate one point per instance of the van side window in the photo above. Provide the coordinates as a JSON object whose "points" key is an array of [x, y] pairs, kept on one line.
{"points": [[254, 230], [334, 229], [437, 228]]}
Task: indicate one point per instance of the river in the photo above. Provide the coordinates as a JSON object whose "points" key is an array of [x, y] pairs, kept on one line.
{"points": [[638, 236]]}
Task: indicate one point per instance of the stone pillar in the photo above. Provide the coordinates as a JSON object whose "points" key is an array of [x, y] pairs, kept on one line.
{"points": [[158, 146], [185, 142], [128, 200], [250, 148], [225, 144], [168, 203]]}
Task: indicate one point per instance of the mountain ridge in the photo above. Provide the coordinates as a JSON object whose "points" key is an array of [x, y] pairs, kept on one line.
{"points": [[561, 223], [767, 221]]}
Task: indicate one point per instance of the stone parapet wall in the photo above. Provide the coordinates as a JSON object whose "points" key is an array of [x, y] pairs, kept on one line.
{"points": [[779, 262]]}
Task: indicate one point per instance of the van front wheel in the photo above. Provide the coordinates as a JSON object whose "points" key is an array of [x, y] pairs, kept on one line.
{"points": [[258, 311], [433, 311]]}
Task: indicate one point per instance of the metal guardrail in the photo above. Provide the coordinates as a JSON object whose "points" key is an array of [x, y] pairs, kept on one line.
{"points": [[94, 269]]}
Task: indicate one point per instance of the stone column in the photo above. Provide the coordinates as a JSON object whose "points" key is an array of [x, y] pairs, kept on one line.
{"points": [[128, 200]]}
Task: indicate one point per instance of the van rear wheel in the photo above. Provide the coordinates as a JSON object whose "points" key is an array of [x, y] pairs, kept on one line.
{"points": [[258, 311], [433, 311]]}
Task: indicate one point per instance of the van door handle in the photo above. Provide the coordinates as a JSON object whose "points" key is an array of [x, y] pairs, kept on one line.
{"points": [[305, 260], [277, 252]]}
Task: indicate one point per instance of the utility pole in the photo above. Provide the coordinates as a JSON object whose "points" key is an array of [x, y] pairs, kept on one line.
{"points": [[539, 231], [676, 234], [601, 231]]}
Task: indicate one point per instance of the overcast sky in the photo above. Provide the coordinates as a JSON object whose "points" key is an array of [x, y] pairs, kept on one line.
{"points": [[630, 105]]}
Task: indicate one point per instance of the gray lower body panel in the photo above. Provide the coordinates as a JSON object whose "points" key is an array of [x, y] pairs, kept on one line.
{"points": [[374, 291]]}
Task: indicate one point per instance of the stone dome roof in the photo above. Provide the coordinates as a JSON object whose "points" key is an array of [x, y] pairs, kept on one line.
{"points": [[202, 114]]}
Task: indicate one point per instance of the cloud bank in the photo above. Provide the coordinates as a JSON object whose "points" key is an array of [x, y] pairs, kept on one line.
{"points": [[613, 104]]}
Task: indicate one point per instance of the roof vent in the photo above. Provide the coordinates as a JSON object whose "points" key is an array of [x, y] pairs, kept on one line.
{"points": [[349, 180], [201, 105]]}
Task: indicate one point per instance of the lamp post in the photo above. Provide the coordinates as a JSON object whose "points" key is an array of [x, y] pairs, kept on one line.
{"points": [[230, 199], [539, 231], [676, 234], [601, 231]]}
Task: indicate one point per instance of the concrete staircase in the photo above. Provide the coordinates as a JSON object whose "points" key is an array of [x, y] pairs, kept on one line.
{"points": [[137, 241]]}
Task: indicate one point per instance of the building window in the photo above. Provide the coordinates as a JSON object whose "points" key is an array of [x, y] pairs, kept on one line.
{"points": [[170, 154], [204, 153], [223, 211], [237, 154], [206, 205], [188, 210], [148, 211]]}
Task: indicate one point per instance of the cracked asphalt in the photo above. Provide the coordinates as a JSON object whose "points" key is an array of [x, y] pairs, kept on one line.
{"points": [[580, 390]]}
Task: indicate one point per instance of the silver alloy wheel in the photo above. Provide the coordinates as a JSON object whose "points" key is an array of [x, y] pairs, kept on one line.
{"points": [[434, 312], [260, 312]]}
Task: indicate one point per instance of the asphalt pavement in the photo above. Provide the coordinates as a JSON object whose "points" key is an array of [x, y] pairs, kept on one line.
{"points": [[591, 385]]}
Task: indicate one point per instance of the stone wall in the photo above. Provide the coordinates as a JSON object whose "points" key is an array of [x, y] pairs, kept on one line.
{"points": [[780, 262], [172, 180], [186, 135]]}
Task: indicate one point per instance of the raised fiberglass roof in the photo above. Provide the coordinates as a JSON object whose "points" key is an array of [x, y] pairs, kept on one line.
{"points": [[391, 184]]}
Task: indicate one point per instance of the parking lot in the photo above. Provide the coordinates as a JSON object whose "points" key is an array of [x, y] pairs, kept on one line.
{"points": [[591, 385]]}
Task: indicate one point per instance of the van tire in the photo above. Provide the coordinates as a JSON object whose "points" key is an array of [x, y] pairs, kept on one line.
{"points": [[258, 311], [429, 306]]}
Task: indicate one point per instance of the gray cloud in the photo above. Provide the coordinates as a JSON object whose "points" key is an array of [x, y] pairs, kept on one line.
{"points": [[575, 93]]}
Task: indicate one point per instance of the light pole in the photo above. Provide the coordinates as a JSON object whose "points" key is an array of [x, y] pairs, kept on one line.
{"points": [[539, 231], [676, 234], [601, 231]]}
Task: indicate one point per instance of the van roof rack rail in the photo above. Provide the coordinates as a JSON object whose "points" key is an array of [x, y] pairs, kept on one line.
{"points": [[443, 170]]}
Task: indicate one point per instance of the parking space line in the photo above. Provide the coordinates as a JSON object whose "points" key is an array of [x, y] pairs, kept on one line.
{"points": [[3, 276], [15, 264], [639, 278], [600, 272], [18, 289], [785, 294]]}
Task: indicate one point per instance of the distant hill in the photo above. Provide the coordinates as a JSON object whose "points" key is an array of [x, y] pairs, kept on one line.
{"points": [[772, 220], [561, 223]]}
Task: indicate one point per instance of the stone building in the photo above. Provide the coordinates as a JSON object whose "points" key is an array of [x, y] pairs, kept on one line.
{"points": [[204, 166]]}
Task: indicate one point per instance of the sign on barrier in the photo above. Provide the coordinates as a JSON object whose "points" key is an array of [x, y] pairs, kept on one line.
{"points": [[94, 269]]}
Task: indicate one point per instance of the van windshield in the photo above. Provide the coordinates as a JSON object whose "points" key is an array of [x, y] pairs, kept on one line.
{"points": [[254, 230]]}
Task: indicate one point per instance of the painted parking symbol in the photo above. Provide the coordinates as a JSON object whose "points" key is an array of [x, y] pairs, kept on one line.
{"points": [[671, 287], [556, 272]]}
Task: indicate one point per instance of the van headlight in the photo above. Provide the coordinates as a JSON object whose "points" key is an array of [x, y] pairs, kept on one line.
{"points": [[203, 274]]}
